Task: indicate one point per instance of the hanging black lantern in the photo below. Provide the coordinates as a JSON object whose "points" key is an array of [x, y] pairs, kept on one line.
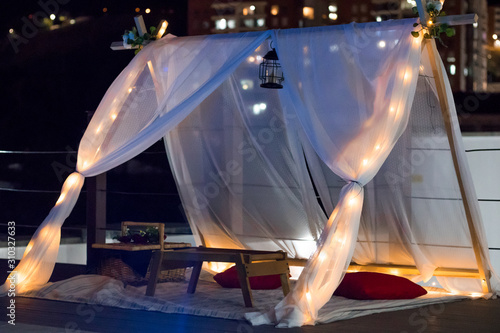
{"points": [[270, 72]]}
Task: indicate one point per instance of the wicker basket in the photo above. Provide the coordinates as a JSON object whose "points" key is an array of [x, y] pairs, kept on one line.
{"points": [[170, 275], [116, 268]]}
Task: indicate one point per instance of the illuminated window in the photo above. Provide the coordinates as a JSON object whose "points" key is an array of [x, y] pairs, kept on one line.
{"points": [[246, 84], [453, 69], [250, 10], [308, 13], [220, 24], [248, 23], [231, 24], [275, 9], [261, 22]]}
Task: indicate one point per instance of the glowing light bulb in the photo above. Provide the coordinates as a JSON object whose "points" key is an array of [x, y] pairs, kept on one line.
{"points": [[72, 180], [98, 129], [322, 257], [162, 29], [430, 22], [365, 162], [377, 147], [52, 17], [394, 272], [148, 10], [61, 198], [391, 109], [352, 201], [251, 59], [113, 116], [129, 90], [28, 248], [308, 296]]}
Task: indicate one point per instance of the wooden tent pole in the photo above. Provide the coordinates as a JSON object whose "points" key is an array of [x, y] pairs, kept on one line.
{"points": [[484, 272]]}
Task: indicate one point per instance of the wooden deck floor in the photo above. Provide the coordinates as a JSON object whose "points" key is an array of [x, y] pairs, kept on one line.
{"points": [[55, 316]]}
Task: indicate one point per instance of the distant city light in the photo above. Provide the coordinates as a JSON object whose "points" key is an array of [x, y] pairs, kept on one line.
{"points": [[252, 7], [453, 69], [72, 21], [137, 10], [275, 9], [495, 36], [378, 18], [221, 24], [148, 10], [332, 8], [308, 13], [52, 17], [11, 31], [258, 108], [104, 9], [333, 16], [246, 84]]}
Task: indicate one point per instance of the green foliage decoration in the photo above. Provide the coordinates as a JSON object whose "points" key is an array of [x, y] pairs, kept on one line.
{"points": [[132, 37], [433, 29]]}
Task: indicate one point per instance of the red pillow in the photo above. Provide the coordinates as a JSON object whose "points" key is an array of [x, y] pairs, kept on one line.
{"points": [[229, 279], [368, 285]]}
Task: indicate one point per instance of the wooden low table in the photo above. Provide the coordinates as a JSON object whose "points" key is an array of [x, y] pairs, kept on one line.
{"points": [[248, 263]]}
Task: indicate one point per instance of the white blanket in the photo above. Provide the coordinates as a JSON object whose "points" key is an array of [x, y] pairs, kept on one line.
{"points": [[211, 300]]}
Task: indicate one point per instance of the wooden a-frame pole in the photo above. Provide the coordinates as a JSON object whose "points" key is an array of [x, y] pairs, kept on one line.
{"points": [[430, 45]]}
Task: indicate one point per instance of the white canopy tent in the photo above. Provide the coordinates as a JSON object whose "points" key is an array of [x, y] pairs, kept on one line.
{"points": [[364, 123]]}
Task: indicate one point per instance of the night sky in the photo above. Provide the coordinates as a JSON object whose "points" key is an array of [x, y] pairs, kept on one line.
{"points": [[56, 76], [48, 86]]}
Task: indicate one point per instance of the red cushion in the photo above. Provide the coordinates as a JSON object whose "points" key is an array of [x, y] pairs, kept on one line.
{"points": [[367, 285], [229, 279]]}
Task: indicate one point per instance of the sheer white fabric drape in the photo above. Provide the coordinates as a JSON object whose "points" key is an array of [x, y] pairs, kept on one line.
{"points": [[352, 89], [241, 173], [159, 88]]}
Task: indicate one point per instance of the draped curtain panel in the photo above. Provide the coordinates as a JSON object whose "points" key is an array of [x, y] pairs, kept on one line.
{"points": [[151, 96], [352, 88]]}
